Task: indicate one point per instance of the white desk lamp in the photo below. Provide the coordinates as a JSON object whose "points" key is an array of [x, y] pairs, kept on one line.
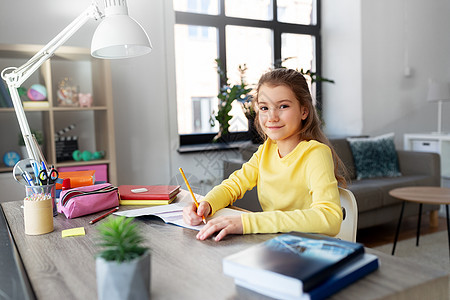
{"points": [[438, 92], [117, 36]]}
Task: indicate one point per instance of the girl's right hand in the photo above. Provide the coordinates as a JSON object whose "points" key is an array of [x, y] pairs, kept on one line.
{"points": [[193, 216]]}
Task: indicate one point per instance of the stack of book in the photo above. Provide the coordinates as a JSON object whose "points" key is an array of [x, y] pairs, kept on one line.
{"points": [[35, 104], [300, 266], [147, 194]]}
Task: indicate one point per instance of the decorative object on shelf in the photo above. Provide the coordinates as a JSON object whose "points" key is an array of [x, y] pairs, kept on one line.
{"points": [[438, 91], [227, 95], [85, 100], [10, 158], [23, 93], [39, 139], [37, 92], [77, 155], [67, 93], [123, 266], [117, 36], [65, 145]]}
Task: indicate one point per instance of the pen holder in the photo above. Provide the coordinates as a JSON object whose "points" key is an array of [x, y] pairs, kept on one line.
{"points": [[38, 209]]}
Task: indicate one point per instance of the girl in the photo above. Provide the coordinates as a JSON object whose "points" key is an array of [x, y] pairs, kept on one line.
{"points": [[294, 170]]}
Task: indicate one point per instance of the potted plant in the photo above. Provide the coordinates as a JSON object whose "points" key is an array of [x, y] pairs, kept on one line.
{"points": [[123, 265], [228, 93], [39, 139]]}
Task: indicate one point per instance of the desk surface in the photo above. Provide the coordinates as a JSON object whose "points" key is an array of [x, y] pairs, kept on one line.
{"points": [[64, 268]]}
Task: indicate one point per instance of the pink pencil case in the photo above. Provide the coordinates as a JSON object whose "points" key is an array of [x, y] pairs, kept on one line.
{"points": [[86, 200]]}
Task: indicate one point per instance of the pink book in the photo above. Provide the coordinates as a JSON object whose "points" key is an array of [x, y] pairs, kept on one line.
{"points": [[148, 192]]}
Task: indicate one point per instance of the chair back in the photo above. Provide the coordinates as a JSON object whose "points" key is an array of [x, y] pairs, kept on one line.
{"points": [[350, 219]]}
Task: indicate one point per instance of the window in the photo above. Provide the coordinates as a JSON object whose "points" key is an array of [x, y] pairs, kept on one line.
{"points": [[257, 33]]}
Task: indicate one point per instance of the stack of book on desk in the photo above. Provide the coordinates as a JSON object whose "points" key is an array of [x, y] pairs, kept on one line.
{"points": [[147, 194], [300, 266]]}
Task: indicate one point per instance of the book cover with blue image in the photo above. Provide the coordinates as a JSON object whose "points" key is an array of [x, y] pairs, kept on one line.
{"points": [[294, 262]]}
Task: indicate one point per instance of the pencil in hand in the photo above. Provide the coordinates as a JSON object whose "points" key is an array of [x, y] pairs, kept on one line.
{"points": [[190, 190]]}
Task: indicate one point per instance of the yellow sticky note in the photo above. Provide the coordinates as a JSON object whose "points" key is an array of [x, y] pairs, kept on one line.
{"points": [[73, 232]]}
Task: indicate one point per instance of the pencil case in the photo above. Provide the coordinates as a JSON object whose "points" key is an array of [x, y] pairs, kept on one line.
{"points": [[86, 200]]}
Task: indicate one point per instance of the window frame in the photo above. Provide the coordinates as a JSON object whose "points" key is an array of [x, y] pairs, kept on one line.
{"points": [[220, 21]]}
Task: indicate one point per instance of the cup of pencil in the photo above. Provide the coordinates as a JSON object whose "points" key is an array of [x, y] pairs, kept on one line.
{"points": [[38, 209]]}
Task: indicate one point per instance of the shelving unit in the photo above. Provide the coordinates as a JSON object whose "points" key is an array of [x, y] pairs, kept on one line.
{"points": [[94, 125], [437, 143]]}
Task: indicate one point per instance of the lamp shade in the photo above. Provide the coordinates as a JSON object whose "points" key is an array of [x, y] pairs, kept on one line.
{"points": [[438, 91], [119, 35]]}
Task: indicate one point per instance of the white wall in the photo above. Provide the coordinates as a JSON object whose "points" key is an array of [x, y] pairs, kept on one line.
{"points": [[363, 51], [341, 44], [385, 36]]}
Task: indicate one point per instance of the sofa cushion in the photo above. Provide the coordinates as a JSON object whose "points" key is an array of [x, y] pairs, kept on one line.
{"points": [[375, 157]]}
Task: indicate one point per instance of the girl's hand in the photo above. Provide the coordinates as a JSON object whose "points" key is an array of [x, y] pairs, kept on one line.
{"points": [[226, 225], [193, 216]]}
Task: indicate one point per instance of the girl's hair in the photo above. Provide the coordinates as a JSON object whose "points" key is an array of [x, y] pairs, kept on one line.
{"points": [[310, 129]]}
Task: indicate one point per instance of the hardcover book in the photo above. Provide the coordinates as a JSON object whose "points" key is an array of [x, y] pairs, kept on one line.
{"points": [[293, 263], [147, 202], [148, 192], [349, 273]]}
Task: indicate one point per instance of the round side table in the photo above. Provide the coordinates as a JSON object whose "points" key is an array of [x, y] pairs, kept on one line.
{"points": [[421, 195]]}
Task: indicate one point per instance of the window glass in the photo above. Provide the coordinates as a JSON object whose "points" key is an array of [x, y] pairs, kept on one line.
{"points": [[249, 9], [297, 52], [209, 7], [251, 47], [296, 11], [196, 75]]}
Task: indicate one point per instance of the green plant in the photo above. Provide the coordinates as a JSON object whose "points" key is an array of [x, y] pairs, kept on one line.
{"points": [[120, 239], [227, 95], [37, 134]]}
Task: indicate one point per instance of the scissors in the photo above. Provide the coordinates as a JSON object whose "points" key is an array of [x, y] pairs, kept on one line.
{"points": [[48, 177]]}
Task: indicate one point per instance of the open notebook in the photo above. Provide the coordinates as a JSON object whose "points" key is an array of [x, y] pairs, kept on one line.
{"points": [[173, 213]]}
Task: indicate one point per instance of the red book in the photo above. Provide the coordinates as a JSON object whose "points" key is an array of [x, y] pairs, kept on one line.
{"points": [[148, 192]]}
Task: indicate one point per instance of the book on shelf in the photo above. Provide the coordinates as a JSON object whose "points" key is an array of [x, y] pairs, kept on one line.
{"points": [[146, 202], [148, 192], [2, 101], [292, 264], [35, 104], [5, 94], [347, 275]]}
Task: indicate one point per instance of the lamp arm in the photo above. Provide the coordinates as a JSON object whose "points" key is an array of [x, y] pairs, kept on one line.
{"points": [[14, 77]]}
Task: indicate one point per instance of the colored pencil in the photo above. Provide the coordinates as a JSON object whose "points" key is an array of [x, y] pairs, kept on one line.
{"points": [[190, 190], [104, 215]]}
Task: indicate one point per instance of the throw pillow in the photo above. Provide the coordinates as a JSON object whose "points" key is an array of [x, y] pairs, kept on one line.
{"points": [[375, 157]]}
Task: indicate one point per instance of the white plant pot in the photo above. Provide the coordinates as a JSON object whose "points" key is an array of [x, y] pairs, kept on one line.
{"points": [[127, 280]]}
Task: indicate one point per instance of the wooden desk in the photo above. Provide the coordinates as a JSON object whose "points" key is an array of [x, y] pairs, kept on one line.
{"points": [[184, 268]]}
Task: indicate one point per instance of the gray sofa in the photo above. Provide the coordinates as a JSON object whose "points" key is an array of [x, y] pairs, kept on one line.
{"points": [[375, 205]]}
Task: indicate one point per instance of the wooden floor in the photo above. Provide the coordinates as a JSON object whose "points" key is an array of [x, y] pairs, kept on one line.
{"points": [[385, 234]]}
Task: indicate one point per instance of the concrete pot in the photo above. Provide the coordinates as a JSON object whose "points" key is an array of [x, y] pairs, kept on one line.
{"points": [[126, 280]]}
